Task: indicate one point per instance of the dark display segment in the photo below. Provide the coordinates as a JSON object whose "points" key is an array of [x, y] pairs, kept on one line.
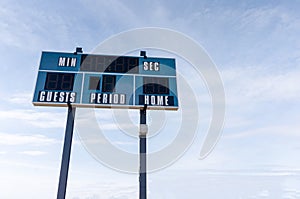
{"points": [[110, 64], [108, 83], [94, 83], [59, 81], [155, 85]]}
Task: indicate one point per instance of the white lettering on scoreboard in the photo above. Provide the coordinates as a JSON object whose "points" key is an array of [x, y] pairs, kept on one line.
{"points": [[67, 61], [55, 96], [151, 66], [156, 100], [105, 98]]}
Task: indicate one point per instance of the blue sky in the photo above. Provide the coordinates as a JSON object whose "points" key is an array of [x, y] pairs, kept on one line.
{"points": [[256, 48]]}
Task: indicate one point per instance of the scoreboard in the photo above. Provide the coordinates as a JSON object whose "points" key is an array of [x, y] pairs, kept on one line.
{"points": [[106, 81]]}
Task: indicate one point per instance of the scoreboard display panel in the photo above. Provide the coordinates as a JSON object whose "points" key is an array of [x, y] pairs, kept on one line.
{"points": [[106, 81]]}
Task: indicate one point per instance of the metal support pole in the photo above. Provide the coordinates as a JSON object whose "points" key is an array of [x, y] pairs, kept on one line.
{"points": [[61, 193], [143, 154]]}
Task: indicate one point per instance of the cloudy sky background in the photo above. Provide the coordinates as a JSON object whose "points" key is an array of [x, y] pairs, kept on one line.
{"points": [[254, 44]]}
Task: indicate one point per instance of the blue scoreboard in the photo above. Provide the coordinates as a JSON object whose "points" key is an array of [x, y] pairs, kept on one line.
{"points": [[106, 81]]}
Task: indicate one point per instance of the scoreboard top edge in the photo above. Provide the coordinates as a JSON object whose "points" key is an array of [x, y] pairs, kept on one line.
{"points": [[63, 61], [108, 55]]}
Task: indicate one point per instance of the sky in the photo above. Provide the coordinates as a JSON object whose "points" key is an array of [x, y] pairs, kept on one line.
{"points": [[254, 45]]}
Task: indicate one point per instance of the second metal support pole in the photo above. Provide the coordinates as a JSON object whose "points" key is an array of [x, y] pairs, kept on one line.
{"points": [[143, 154]]}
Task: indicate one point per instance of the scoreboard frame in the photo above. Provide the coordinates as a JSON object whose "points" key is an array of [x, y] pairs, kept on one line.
{"points": [[106, 81]]}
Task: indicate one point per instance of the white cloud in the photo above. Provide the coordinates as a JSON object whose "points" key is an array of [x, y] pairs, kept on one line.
{"points": [[19, 98], [36, 118], [277, 17], [33, 153], [258, 17], [260, 84], [249, 172], [118, 12], [264, 194], [22, 23], [236, 122], [17, 139], [219, 185], [123, 143], [278, 130], [108, 190], [291, 193]]}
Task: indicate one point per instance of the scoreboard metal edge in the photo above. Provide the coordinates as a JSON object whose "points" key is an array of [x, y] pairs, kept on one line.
{"points": [[63, 67]]}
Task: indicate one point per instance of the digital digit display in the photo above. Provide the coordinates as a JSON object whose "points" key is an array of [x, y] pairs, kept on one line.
{"points": [[59, 81], [108, 83], [110, 64], [156, 85]]}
